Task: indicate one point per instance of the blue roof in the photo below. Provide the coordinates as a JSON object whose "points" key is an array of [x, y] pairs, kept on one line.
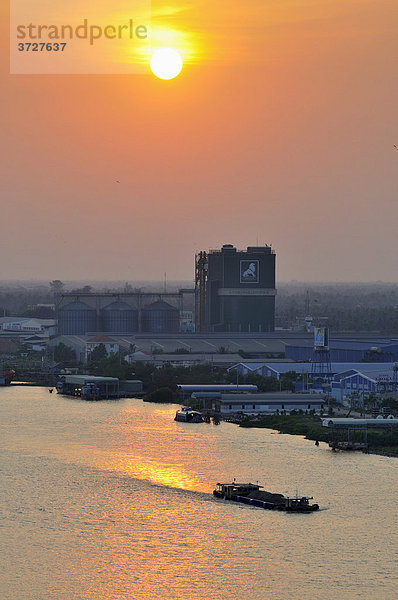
{"points": [[345, 344], [251, 366], [374, 369], [229, 387]]}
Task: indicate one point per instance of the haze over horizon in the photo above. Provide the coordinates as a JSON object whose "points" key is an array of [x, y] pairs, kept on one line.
{"points": [[280, 129]]}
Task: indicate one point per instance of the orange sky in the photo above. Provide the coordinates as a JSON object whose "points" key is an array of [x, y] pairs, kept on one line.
{"points": [[280, 129]]}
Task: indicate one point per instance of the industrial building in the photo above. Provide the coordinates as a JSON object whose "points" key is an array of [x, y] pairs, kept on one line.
{"points": [[21, 326], [345, 350], [235, 290], [269, 403], [378, 423], [364, 381], [338, 370], [347, 379], [200, 391], [124, 313]]}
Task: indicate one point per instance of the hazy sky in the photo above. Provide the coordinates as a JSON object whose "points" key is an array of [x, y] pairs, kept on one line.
{"points": [[280, 129]]}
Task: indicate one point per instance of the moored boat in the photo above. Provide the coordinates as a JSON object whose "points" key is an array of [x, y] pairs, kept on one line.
{"points": [[188, 415], [254, 495]]}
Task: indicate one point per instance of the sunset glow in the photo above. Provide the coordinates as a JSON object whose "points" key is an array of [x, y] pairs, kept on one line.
{"points": [[279, 123], [166, 63]]}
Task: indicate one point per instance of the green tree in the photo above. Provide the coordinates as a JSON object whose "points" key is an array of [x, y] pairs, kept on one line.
{"points": [[112, 366], [264, 384], [162, 395], [98, 353], [86, 289], [288, 380], [64, 354], [57, 289]]}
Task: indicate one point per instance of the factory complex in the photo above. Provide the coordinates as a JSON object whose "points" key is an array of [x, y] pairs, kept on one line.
{"points": [[226, 319], [234, 292]]}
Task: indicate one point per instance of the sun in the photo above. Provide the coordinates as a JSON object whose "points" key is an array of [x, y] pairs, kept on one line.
{"points": [[166, 63]]}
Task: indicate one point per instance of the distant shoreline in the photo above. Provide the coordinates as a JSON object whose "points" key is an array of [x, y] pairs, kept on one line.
{"points": [[309, 426]]}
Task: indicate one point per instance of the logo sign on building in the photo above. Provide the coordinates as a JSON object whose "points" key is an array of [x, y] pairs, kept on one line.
{"points": [[321, 337], [249, 271]]}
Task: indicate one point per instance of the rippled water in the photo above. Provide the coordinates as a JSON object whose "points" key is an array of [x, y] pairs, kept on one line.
{"points": [[112, 500]]}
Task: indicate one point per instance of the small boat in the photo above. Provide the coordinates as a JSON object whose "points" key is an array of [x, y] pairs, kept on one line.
{"points": [[254, 495], [188, 415]]}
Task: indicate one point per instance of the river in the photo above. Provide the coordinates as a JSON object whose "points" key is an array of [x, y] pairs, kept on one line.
{"points": [[112, 501]]}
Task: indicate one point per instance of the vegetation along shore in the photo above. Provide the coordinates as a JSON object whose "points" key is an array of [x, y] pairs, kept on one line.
{"points": [[384, 442]]}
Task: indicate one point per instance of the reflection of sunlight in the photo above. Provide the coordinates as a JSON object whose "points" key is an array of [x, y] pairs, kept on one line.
{"points": [[135, 466], [151, 470]]}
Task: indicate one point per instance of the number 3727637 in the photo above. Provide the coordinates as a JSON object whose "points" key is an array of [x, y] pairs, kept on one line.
{"points": [[41, 47]]}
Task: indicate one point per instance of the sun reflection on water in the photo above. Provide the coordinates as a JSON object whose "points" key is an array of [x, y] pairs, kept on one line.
{"points": [[156, 472]]}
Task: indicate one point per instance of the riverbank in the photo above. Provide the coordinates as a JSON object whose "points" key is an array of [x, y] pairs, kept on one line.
{"points": [[380, 442]]}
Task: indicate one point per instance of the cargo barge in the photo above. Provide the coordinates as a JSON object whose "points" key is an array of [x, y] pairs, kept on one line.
{"points": [[254, 495]]}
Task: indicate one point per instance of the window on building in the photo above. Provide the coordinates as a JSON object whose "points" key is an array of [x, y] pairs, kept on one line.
{"points": [[254, 406], [230, 407], [243, 406], [283, 406]]}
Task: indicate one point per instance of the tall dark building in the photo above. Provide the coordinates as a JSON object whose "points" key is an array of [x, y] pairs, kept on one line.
{"points": [[240, 289]]}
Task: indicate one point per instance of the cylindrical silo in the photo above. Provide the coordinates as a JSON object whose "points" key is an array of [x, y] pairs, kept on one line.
{"points": [[76, 318], [160, 317], [119, 317]]}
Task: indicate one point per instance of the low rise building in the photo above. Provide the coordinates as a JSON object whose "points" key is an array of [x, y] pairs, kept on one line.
{"points": [[269, 403], [28, 326], [111, 346]]}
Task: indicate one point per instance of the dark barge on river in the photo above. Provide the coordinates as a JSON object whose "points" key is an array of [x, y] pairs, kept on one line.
{"points": [[254, 495]]}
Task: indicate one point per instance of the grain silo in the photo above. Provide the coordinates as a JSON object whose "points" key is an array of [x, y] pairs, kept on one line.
{"points": [[76, 318], [119, 317], [160, 317]]}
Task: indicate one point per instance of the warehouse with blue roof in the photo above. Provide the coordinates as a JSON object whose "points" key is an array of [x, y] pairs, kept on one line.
{"points": [[278, 369], [343, 350], [347, 378]]}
